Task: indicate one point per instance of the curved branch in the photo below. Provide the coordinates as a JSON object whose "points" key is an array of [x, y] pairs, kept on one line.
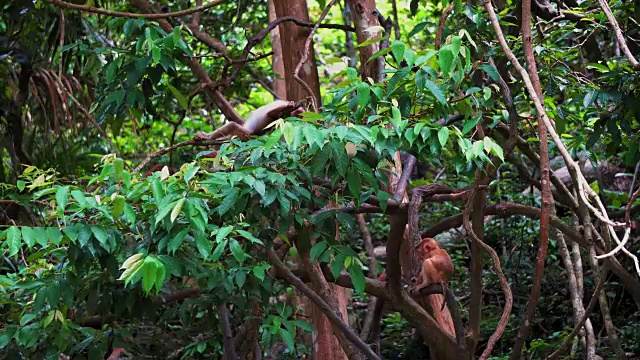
{"points": [[101, 11], [504, 319], [443, 20]]}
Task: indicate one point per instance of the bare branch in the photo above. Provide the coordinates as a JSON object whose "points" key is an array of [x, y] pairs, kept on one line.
{"points": [[100, 11]]}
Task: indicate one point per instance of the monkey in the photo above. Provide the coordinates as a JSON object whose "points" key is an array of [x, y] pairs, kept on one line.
{"points": [[437, 266], [256, 122]]}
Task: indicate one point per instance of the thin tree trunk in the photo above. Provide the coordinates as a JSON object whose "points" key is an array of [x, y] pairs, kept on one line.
{"points": [[586, 335], [545, 181], [293, 38], [604, 304], [279, 85]]}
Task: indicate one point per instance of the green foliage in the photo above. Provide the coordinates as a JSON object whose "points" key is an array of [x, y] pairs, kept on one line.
{"points": [[103, 242]]}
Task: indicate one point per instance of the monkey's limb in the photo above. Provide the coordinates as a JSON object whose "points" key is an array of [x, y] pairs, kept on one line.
{"points": [[226, 130]]}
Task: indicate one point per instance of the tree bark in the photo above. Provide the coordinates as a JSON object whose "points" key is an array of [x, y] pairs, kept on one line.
{"points": [[363, 18], [292, 39], [277, 63]]}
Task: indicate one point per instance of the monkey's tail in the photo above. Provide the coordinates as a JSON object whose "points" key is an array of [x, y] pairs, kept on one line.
{"points": [[441, 313]]}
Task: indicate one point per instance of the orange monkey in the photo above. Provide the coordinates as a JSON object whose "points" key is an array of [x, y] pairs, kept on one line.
{"points": [[437, 266]]}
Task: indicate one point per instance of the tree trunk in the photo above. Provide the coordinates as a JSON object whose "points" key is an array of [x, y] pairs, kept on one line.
{"points": [[363, 19], [292, 40], [279, 85]]}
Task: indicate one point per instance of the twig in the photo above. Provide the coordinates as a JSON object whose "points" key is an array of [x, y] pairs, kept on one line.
{"points": [[96, 10], [443, 19]]}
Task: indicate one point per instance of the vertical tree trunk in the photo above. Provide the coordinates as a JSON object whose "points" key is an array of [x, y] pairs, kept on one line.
{"points": [[279, 85], [292, 40], [363, 19]]}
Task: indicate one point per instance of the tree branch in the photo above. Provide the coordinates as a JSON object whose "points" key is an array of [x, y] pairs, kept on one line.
{"points": [[100, 11]]}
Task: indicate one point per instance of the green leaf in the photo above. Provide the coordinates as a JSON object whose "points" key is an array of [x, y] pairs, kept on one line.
{"points": [[379, 53], [287, 338], [304, 325], [236, 250], [443, 136], [228, 202], [190, 173], [470, 124], [497, 151], [223, 233], [28, 236], [53, 294], [26, 318], [118, 205], [204, 245], [418, 28], [318, 162], [436, 91], [317, 250], [397, 47], [456, 42], [492, 72], [249, 236], [477, 148], [177, 240], [79, 197], [288, 133], [445, 59], [20, 185], [357, 277], [177, 209], [396, 78], [149, 273], [337, 265], [41, 237], [54, 234], [354, 183], [219, 250], [62, 196], [340, 157], [364, 94], [241, 278], [118, 168], [369, 42], [259, 271], [102, 235]]}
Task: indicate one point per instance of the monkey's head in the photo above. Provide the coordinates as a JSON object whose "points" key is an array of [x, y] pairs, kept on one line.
{"points": [[427, 245]]}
